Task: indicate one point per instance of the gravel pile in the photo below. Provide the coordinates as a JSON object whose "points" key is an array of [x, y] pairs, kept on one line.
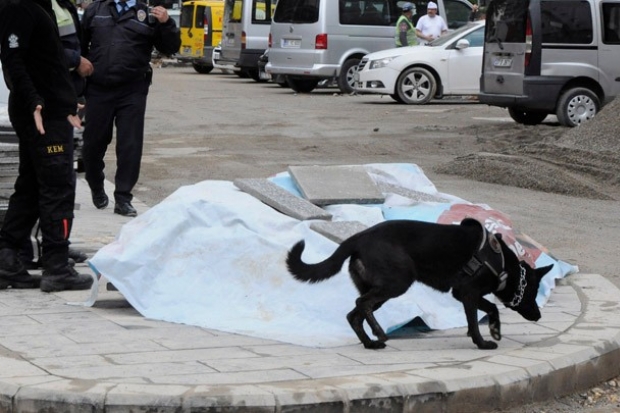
{"points": [[582, 162]]}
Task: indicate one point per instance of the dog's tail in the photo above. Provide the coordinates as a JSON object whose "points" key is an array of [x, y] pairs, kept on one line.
{"points": [[320, 271]]}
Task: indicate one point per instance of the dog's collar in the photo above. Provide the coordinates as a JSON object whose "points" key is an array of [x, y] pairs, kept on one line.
{"points": [[489, 255], [518, 297]]}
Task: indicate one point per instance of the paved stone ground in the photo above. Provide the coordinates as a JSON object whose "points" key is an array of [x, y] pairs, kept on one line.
{"points": [[108, 358]]}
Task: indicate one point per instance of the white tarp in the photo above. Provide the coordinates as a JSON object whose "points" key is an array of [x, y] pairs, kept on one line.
{"points": [[213, 256]]}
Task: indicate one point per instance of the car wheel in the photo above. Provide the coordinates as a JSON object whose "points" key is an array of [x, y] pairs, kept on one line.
{"points": [[346, 78], [302, 85], [416, 86], [526, 117], [255, 74], [396, 98], [280, 80], [576, 106], [202, 69], [242, 74]]}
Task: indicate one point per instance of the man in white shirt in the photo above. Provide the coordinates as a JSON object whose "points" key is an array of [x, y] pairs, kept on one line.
{"points": [[431, 26]]}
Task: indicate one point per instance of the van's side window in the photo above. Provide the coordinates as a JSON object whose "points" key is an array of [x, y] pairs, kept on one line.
{"points": [[566, 22], [368, 12], [611, 23]]}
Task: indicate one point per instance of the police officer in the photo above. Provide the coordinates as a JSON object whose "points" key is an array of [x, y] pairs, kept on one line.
{"points": [[405, 30], [42, 110], [118, 38]]}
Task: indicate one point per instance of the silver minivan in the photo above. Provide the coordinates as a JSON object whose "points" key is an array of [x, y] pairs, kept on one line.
{"points": [[546, 57], [245, 34], [314, 40]]}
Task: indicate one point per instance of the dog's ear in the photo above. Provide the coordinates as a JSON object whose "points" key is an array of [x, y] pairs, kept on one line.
{"points": [[540, 272]]}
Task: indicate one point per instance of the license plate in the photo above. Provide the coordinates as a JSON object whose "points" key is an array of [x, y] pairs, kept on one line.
{"points": [[503, 62], [291, 43]]}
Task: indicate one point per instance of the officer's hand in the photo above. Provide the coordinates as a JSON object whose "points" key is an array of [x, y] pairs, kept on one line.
{"points": [[160, 13], [38, 119], [75, 121], [85, 68]]}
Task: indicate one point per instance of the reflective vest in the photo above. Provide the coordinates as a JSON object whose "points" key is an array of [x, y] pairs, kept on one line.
{"points": [[411, 37]]}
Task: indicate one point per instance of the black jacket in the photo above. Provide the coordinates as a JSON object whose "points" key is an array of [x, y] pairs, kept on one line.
{"points": [[120, 47], [33, 60], [72, 45]]}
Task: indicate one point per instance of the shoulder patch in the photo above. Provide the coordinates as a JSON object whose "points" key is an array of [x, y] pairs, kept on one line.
{"points": [[13, 41]]}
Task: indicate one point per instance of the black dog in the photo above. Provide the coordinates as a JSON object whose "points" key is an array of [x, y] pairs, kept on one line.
{"points": [[387, 258]]}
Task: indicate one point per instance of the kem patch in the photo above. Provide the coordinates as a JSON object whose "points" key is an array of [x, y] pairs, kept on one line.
{"points": [[52, 149]]}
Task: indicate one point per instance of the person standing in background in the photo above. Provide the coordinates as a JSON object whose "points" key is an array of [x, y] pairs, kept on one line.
{"points": [[405, 31], [430, 26], [118, 38], [42, 110]]}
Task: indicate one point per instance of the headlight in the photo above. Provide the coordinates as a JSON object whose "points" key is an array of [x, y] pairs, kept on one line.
{"points": [[378, 64]]}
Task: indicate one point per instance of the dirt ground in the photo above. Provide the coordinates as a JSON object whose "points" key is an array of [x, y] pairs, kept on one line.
{"points": [[561, 186]]}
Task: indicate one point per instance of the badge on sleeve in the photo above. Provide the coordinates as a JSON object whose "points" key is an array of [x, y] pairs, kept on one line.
{"points": [[141, 15], [13, 41]]}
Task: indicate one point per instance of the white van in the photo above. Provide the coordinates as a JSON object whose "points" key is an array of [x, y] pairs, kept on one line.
{"points": [[245, 34], [313, 40], [546, 57]]}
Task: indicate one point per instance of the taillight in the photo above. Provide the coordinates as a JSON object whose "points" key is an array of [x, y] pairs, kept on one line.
{"points": [[269, 42], [321, 41], [243, 36], [528, 41]]}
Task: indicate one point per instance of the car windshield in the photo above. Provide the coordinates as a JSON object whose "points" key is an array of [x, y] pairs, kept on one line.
{"points": [[445, 39]]}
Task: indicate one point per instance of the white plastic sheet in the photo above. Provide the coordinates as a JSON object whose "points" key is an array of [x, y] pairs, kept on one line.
{"points": [[213, 256]]}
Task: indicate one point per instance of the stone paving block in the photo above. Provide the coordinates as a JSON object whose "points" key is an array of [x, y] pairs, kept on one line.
{"points": [[417, 196], [281, 200], [338, 231], [328, 185]]}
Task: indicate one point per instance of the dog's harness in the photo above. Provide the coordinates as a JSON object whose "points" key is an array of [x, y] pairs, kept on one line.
{"points": [[490, 256]]}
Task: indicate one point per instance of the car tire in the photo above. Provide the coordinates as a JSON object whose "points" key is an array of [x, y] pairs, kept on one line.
{"points": [[255, 74], [242, 74], [526, 117], [302, 85], [416, 86], [347, 75], [577, 105], [396, 97], [202, 69]]}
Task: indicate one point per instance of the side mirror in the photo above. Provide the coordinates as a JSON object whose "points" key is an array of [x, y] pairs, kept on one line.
{"points": [[462, 44]]}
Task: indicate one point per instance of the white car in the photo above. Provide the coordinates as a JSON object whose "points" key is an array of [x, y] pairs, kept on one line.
{"points": [[450, 65]]}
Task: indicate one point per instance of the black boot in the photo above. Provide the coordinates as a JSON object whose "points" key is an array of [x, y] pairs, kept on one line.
{"points": [[77, 255], [65, 278], [13, 273]]}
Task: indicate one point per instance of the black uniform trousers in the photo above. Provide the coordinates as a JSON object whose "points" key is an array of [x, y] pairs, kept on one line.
{"points": [[44, 189], [123, 106]]}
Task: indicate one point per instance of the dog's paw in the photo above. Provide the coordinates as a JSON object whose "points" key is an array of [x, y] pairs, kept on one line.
{"points": [[495, 331], [487, 345], [375, 345]]}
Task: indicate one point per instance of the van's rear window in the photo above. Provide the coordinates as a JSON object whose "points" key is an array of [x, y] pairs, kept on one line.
{"points": [[506, 21], [297, 11]]}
